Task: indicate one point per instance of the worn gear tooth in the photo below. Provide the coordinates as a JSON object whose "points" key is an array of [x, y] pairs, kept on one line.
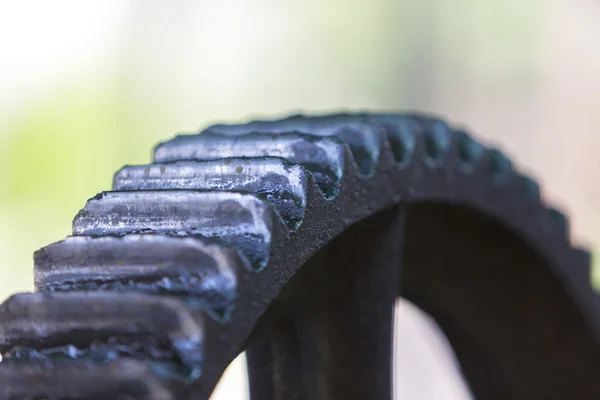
{"points": [[436, 136], [402, 134], [468, 151], [531, 188], [356, 130], [49, 320], [77, 380], [274, 179], [387, 158], [321, 156], [582, 266], [242, 220], [147, 263], [500, 167], [559, 221]]}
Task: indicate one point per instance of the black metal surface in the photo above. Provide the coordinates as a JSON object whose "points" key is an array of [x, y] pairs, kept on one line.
{"points": [[333, 332], [292, 238]]}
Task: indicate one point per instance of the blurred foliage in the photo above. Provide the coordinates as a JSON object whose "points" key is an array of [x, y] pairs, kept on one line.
{"points": [[55, 155]]}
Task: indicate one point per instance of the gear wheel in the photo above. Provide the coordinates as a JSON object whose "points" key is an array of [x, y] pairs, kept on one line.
{"points": [[291, 239]]}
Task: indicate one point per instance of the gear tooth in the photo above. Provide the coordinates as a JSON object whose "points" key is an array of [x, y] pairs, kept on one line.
{"points": [[242, 220], [321, 156], [45, 321], [401, 132], [314, 189], [500, 166], [531, 188], [191, 267], [364, 142], [350, 168], [82, 380], [559, 220], [271, 178], [581, 267], [469, 152], [436, 139], [361, 135], [583, 256], [387, 156], [122, 174]]}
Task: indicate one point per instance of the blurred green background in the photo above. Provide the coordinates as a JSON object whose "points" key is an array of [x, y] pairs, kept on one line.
{"points": [[87, 87]]}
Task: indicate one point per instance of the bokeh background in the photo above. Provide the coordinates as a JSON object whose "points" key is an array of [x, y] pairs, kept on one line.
{"points": [[86, 87]]}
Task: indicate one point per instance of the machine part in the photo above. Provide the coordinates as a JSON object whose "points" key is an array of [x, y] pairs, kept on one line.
{"points": [[292, 239]]}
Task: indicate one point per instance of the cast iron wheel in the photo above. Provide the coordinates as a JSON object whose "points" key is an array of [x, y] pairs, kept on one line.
{"points": [[292, 239]]}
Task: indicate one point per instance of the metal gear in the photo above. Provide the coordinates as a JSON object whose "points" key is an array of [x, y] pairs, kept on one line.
{"points": [[291, 239]]}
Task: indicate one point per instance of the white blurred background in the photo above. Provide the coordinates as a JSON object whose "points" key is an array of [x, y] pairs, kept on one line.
{"points": [[86, 87]]}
